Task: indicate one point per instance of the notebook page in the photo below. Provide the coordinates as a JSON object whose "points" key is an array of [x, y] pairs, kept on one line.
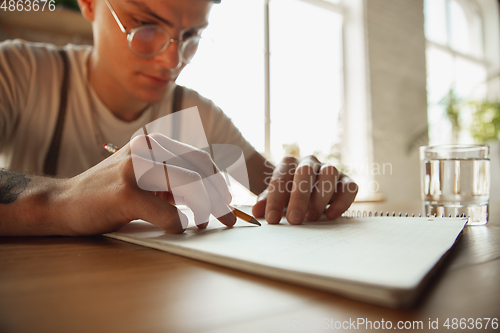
{"points": [[390, 252]]}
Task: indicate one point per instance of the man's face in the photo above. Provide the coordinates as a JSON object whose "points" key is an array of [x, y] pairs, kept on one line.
{"points": [[146, 79]]}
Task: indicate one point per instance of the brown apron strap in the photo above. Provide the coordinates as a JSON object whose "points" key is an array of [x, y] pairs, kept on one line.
{"points": [[176, 106], [50, 165], [177, 103]]}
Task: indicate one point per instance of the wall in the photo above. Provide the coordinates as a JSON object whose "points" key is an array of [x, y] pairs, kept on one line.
{"points": [[397, 89], [58, 27]]}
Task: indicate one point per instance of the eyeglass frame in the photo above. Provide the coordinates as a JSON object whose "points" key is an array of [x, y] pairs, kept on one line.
{"points": [[130, 35]]}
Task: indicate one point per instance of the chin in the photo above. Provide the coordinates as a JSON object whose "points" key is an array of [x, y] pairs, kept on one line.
{"points": [[153, 95]]}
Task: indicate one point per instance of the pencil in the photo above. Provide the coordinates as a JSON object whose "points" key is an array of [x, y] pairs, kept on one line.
{"points": [[242, 215], [245, 217]]}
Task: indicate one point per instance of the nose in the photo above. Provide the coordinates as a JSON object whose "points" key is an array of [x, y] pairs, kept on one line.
{"points": [[171, 57]]}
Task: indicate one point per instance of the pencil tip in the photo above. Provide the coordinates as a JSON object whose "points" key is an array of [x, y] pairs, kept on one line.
{"points": [[254, 221]]}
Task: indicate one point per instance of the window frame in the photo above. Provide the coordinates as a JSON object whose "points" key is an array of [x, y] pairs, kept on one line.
{"points": [[470, 8]]}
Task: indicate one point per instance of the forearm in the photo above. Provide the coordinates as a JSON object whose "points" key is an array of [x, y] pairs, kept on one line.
{"points": [[29, 204]]}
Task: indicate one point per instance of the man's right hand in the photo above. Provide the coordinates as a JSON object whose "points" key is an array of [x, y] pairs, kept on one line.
{"points": [[108, 195]]}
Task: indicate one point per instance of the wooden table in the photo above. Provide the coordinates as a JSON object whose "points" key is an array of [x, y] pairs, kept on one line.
{"points": [[97, 284]]}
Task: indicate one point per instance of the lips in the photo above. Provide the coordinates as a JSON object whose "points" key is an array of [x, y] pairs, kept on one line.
{"points": [[158, 80]]}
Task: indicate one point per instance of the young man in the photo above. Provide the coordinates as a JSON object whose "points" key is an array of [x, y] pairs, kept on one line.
{"points": [[123, 82]]}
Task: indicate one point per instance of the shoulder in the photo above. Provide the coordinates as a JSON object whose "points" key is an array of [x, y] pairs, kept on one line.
{"points": [[20, 47], [25, 76], [26, 68], [217, 125], [192, 98], [23, 62], [17, 52], [23, 48], [27, 57], [209, 112], [78, 53]]}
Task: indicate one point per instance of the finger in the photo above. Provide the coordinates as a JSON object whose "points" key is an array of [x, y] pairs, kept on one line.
{"points": [[229, 219], [202, 225], [202, 161], [140, 161], [259, 209], [153, 152], [199, 160], [323, 191], [200, 195], [156, 211], [197, 193], [344, 196], [186, 186], [278, 191], [167, 196], [175, 175], [303, 184], [222, 211]]}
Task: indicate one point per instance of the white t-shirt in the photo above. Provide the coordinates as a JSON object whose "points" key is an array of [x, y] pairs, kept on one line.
{"points": [[30, 88]]}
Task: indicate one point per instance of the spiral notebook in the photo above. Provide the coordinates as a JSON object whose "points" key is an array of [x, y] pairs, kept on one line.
{"points": [[382, 260]]}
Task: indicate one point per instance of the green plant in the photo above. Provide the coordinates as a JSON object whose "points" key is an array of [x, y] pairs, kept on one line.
{"points": [[453, 104], [71, 4], [485, 124], [485, 121]]}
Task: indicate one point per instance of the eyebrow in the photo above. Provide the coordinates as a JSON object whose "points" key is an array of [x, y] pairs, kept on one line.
{"points": [[142, 6]]}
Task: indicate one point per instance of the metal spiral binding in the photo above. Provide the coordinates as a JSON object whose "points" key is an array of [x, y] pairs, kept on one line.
{"points": [[353, 213]]}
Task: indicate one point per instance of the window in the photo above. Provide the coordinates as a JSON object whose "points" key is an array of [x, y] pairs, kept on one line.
{"points": [[304, 68], [306, 73], [457, 66], [229, 65]]}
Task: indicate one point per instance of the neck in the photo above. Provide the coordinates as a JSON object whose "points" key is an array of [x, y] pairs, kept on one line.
{"points": [[121, 104]]}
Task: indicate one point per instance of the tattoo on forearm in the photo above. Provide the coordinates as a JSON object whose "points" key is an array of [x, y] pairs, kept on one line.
{"points": [[11, 185]]}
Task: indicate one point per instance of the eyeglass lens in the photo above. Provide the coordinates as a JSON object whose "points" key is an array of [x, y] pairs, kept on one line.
{"points": [[149, 41]]}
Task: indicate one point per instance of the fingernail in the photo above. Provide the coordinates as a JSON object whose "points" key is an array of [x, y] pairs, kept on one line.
{"points": [[229, 219], [295, 217], [273, 216], [311, 215], [202, 225], [331, 215]]}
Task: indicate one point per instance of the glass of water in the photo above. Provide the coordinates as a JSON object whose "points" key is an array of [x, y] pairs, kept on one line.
{"points": [[455, 180]]}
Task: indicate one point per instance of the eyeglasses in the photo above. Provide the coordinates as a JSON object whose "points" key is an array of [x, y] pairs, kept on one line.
{"points": [[147, 41]]}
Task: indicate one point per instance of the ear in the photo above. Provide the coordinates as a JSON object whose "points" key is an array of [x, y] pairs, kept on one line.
{"points": [[88, 9]]}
